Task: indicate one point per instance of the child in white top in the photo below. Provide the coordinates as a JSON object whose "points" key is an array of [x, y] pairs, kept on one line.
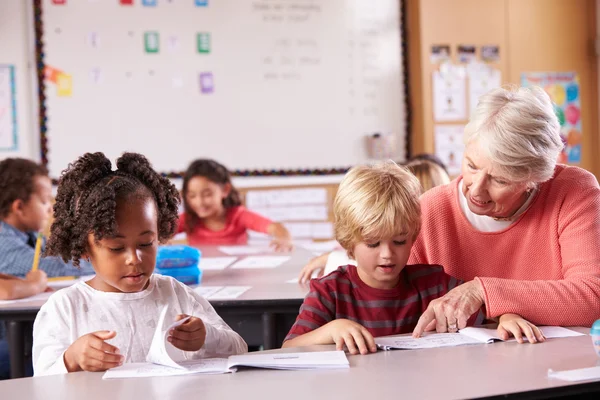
{"points": [[116, 220]]}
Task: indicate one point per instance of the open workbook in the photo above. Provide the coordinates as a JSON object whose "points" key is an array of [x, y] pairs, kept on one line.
{"points": [[161, 362], [465, 336]]}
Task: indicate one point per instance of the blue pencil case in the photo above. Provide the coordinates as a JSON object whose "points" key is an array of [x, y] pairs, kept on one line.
{"points": [[177, 257], [191, 275]]}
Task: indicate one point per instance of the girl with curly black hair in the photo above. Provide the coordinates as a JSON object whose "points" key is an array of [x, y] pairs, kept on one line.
{"points": [[213, 211], [115, 219]]}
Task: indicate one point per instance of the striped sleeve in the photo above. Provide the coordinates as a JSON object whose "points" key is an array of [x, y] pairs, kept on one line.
{"points": [[317, 310]]}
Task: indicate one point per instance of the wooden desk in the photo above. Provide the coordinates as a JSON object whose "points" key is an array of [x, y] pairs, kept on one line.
{"points": [[483, 371], [262, 315]]}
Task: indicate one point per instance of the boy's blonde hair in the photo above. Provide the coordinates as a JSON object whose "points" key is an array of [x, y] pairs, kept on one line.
{"points": [[375, 202]]}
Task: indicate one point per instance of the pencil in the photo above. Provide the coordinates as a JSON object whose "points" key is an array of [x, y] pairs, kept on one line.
{"points": [[61, 278], [38, 251]]}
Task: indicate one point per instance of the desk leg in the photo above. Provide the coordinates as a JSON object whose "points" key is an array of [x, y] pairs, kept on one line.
{"points": [[16, 348], [269, 331]]}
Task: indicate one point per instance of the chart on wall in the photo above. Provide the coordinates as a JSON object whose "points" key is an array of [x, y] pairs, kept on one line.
{"points": [[256, 84], [563, 89], [8, 109]]}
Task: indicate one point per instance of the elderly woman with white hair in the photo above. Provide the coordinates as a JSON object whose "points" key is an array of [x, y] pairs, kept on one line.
{"points": [[522, 230]]}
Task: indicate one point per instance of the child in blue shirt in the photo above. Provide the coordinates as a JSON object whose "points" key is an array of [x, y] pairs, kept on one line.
{"points": [[25, 208]]}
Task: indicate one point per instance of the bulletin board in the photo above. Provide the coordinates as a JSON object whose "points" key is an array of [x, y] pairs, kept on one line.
{"points": [[263, 86]]}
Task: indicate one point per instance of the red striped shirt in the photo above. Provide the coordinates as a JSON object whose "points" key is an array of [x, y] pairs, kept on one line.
{"points": [[342, 294]]}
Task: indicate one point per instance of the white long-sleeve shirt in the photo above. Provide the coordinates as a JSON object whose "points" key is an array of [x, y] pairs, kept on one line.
{"points": [[78, 310]]}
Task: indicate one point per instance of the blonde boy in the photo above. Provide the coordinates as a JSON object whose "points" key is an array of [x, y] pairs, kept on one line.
{"points": [[377, 218]]}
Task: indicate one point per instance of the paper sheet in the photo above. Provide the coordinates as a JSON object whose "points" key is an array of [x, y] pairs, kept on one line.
{"points": [[285, 361], [450, 95], [464, 337], [291, 361], [576, 375], [161, 351], [487, 335], [215, 263], [321, 247], [242, 250], [145, 370], [482, 81], [230, 292], [449, 146], [221, 292], [261, 262], [427, 341], [38, 297], [207, 291]]}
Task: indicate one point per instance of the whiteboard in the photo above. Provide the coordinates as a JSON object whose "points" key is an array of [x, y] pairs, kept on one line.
{"points": [[276, 84]]}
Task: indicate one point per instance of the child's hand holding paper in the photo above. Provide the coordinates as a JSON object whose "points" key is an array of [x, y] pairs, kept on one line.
{"points": [[188, 336]]}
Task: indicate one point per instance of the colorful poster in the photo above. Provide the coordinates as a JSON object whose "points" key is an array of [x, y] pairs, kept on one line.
{"points": [[563, 89], [201, 3], [8, 108], [126, 2], [151, 42], [203, 41], [149, 3]]}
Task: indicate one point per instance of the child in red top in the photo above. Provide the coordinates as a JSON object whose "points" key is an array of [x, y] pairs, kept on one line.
{"points": [[377, 217], [213, 212]]}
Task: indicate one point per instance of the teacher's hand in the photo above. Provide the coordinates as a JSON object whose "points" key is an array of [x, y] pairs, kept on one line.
{"points": [[451, 312]]}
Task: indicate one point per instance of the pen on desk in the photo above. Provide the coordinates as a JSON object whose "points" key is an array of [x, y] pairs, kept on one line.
{"points": [[38, 251]]}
